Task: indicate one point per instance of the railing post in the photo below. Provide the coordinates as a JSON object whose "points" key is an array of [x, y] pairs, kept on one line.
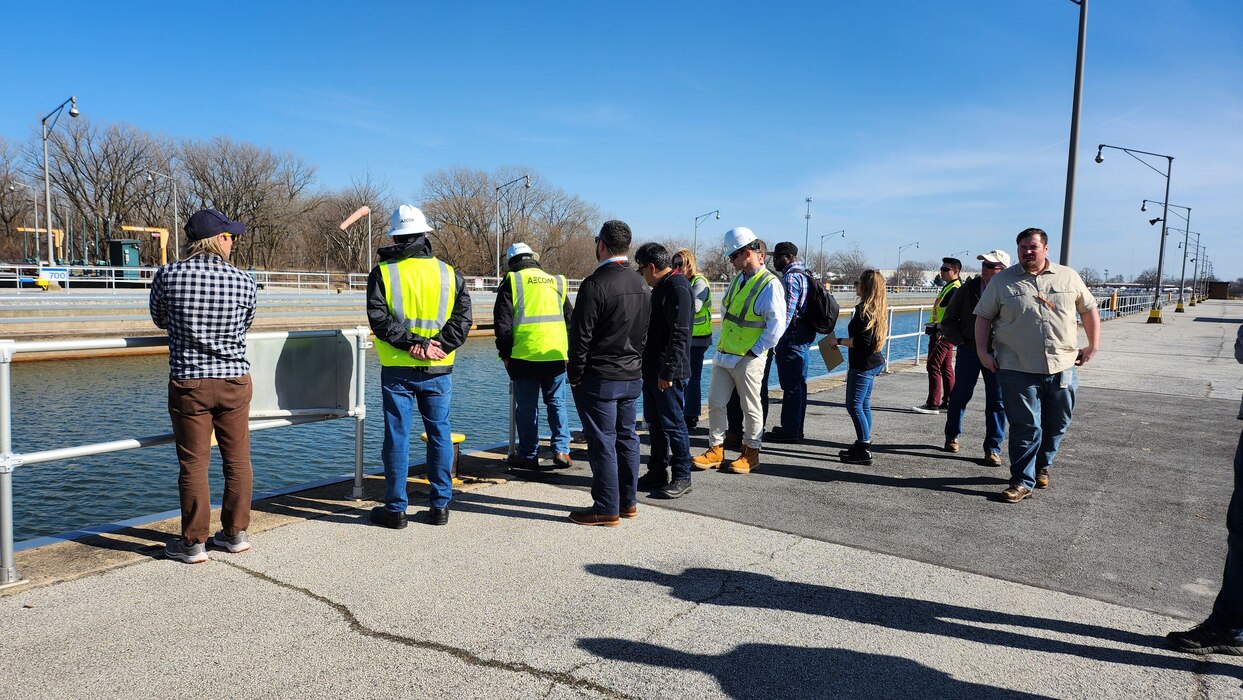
{"points": [[361, 345], [8, 570], [919, 339]]}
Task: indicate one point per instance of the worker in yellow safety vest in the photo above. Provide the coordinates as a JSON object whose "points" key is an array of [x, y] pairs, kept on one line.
{"points": [[419, 311], [701, 331], [940, 363], [529, 319], [753, 317]]}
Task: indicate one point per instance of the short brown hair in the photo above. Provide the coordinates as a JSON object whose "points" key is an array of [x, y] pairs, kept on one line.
{"points": [[1044, 237]]}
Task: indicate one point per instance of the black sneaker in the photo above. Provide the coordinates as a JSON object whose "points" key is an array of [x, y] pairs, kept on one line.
{"points": [[780, 436], [438, 516], [858, 453], [1203, 639], [692, 423], [653, 480], [675, 489], [384, 517]]}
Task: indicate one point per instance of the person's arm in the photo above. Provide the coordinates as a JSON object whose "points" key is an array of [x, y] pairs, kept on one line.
{"points": [[383, 324], [1091, 327], [701, 292], [457, 328], [983, 330], [503, 319], [582, 329], [157, 304], [678, 315], [771, 304], [252, 302], [1238, 346], [792, 289]]}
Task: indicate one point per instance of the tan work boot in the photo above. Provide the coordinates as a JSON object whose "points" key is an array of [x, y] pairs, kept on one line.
{"points": [[750, 459], [733, 441], [710, 459]]}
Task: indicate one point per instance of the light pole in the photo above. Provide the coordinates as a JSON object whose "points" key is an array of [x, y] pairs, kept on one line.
{"points": [[34, 201], [176, 211], [902, 248], [807, 228], [1069, 207], [695, 237], [496, 217], [1154, 314], [1183, 278], [54, 115], [824, 237]]}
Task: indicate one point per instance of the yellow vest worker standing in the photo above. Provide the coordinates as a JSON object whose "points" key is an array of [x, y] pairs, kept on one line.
{"points": [[753, 317], [419, 310], [940, 363], [701, 331], [530, 318]]}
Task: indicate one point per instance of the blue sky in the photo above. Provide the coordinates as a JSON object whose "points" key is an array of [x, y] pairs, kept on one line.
{"points": [[937, 122]]}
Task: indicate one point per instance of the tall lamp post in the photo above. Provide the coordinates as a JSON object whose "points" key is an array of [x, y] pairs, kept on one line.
{"points": [[54, 116], [496, 217], [695, 238], [176, 211], [807, 228], [1183, 278], [1154, 314], [1069, 206], [824, 237], [902, 248], [34, 201]]}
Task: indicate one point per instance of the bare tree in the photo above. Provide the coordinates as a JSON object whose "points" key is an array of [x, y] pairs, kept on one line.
{"points": [[911, 273], [347, 250], [843, 266], [1091, 276]]}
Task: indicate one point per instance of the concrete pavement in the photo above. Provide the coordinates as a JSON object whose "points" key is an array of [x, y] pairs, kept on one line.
{"points": [[808, 578]]}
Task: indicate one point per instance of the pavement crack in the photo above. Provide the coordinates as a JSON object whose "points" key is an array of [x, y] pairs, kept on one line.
{"points": [[563, 678]]}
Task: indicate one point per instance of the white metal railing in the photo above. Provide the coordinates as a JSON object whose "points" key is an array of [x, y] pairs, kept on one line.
{"points": [[262, 419]]}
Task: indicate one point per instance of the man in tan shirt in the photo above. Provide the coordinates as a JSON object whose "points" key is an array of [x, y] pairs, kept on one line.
{"points": [[1029, 312]]}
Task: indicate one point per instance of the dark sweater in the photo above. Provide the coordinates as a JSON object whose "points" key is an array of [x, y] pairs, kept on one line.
{"points": [[666, 355], [862, 340], [608, 328], [958, 323], [387, 328], [503, 326]]}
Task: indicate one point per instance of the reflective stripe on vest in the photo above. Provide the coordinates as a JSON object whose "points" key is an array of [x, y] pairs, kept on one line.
{"points": [[539, 319], [703, 317], [420, 295], [741, 326], [938, 307]]}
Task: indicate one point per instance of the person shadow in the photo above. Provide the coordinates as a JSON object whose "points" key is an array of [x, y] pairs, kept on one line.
{"points": [[767, 671], [1014, 630]]}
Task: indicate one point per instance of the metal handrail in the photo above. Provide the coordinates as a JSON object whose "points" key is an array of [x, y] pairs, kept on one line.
{"points": [[260, 420]]}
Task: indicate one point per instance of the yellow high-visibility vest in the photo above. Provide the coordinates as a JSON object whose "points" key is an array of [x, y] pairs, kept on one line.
{"points": [[421, 295], [703, 317], [741, 326], [938, 308], [539, 322]]}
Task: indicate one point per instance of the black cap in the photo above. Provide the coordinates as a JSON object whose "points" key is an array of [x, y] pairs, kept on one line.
{"points": [[209, 222], [786, 248], [953, 262]]}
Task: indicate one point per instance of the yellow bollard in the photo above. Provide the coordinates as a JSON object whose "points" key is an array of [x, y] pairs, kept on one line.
{"points": [[458, 439]]}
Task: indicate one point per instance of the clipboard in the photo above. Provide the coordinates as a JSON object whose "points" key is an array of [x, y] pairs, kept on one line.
{"points": [[832, 354]]}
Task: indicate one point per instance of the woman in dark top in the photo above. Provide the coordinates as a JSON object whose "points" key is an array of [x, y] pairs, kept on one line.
{"points": [[868, 328]]}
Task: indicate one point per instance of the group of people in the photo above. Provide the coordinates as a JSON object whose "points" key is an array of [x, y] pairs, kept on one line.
{"points": [[645, 334]]}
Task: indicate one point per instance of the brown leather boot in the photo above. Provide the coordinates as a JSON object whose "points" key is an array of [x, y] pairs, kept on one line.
{"points": [[710, 459], [750, 459], [733, 441]]}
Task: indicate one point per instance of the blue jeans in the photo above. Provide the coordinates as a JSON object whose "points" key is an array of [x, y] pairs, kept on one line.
{"points": [[859, 399], [1228, 608], [790, 356], [402, 387], [1039, 408], [694, 388], [664, 413], [607, 409], [967, 371], [526, 416]]}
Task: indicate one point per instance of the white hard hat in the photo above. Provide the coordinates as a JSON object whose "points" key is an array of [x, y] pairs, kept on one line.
{"points": [[407, 220], [519, 249], [737, 238]]}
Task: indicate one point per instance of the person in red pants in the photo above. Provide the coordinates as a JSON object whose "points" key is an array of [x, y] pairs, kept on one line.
{"points": [[941, 350]]}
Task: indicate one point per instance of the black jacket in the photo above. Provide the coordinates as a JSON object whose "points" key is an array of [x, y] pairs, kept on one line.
{"points": [[958, 323], [666, 355], [609, 325], [387, 328], [503, 326]]}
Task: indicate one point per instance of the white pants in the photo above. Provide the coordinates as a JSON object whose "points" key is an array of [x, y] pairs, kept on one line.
{"points": [[747, 377]]}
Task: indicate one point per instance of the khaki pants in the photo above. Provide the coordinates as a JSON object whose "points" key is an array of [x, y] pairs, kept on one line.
{"points": [[196, 406], [747, 377]]}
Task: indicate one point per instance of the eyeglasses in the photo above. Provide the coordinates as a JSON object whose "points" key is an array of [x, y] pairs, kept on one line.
{"points": [[678, 262], [227, 236]]}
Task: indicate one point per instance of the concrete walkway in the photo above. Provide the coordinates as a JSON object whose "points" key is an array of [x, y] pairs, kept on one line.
{"points": [[808, 578]]}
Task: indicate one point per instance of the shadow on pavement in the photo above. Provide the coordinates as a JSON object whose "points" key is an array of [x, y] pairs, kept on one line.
{"points": [[746, 589]]}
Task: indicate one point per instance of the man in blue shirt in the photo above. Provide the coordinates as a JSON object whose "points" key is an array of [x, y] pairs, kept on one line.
{"points": [[792, 351]]}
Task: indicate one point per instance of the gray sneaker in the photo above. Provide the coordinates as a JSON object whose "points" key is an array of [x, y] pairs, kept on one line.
{"points": [[237, 543], [675, 489], [189, 553]]}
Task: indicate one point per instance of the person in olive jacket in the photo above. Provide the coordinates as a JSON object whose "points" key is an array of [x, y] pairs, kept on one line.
{"points": [[608, 330]]}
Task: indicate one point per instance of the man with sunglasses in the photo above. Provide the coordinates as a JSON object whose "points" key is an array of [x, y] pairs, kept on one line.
{"points": [[958, 326], [941, 351], [752, 320], [207, 305]]}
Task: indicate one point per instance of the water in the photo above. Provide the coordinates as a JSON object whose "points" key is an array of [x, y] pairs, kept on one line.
{"points": [[75, 402]]}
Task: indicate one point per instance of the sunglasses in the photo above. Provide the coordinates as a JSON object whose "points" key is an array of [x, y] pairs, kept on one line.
{"points": [[227, 236], [946, 269], [994, 266], [741, 251], [678, 262]]}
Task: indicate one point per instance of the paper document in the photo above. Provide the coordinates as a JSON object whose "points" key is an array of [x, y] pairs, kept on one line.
{"points": [[831, 353]]}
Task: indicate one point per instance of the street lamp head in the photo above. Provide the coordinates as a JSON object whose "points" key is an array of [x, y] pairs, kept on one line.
{"points": [[150, 178], [528, 185], [73, 108], [1153, 222], [1100, 158], [1144, 206], [718, 214]]}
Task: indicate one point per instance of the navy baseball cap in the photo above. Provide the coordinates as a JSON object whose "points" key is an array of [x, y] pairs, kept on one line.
{"points": [[209, 222]]}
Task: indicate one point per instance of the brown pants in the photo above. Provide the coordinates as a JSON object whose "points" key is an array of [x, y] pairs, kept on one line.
{"points": [[196, 406]]}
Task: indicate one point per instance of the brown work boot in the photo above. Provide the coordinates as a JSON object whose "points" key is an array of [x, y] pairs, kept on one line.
{"points": [[591, 517], [710, 459], [951, 444], [750, 459], [1042, 478], [733, 441], [992, 459], [1014, 494], [629, 512]]}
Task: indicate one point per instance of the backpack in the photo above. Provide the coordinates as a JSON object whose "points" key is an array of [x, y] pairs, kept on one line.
{"points": [[821, 310]]}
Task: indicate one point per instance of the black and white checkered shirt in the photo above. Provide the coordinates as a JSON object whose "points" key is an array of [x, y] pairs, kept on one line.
{"points": [[206, 305]]}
